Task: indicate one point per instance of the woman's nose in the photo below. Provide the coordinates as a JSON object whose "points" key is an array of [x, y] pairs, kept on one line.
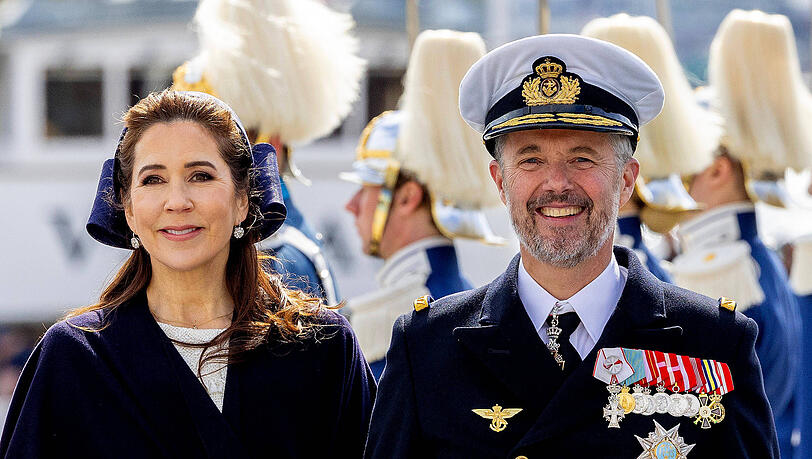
{"points": [[178, 198]]}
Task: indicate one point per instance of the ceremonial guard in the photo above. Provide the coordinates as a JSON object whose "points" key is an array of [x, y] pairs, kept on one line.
{"points": [[542, 361], [423, 176], [290, 69], [683, 131], [754, 74]]}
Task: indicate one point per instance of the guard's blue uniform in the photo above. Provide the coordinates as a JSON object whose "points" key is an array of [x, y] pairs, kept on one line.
{"points": [[777, 314], [298, 256], [630, 226], [805, 414], [482, 347], [801, 282], [779, 340], [444, 277]]}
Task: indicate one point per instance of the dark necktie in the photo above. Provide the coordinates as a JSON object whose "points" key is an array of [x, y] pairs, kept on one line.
{"points": [[558, 332]]}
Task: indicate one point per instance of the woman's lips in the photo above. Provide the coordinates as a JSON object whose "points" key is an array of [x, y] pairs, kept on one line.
{"points": [[180, 234]]}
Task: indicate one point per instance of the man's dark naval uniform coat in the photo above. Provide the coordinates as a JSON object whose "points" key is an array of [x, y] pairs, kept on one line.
{"points": [[478, 348]]}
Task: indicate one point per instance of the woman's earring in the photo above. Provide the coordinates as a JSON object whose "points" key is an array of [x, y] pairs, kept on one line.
{"points": [[238, 232], [135, 242]]}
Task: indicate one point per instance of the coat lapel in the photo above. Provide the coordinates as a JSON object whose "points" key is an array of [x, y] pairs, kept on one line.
{"points": [[506, 342], [638, 321], [172, 396]]}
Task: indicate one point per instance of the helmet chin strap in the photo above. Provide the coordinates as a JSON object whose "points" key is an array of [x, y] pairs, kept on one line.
{"points": [[381, 214]]}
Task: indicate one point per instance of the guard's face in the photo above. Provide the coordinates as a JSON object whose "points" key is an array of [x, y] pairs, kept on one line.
{"points": [[703, 186], [183, 204], [362, 207], [563, 191]]}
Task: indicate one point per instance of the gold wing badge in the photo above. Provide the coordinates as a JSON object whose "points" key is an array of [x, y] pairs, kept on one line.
{"points": [[497, 415]]}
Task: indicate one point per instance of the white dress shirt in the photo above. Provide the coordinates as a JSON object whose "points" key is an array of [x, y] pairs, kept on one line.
{"points": [[594, 304]]}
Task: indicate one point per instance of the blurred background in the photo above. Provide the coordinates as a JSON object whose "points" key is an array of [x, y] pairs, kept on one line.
{"points": [[70, 68]]}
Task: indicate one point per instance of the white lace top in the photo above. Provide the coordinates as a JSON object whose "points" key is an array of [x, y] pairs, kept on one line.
{"points": [[214, 373]]}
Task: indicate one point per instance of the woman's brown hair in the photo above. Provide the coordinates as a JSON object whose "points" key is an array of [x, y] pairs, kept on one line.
{"points": [[264, 309]]}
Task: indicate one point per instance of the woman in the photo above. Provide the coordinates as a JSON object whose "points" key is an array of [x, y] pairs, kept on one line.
{"points": [[192, 350]]}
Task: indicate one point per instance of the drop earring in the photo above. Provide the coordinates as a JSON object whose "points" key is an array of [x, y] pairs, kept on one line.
{"points": [[238, 232], [135, 242]]}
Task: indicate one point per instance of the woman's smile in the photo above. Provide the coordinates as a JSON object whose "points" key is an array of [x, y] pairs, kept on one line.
{"points": [[180, 233]]}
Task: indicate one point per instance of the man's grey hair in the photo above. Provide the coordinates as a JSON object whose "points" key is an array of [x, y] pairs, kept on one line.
{"points": [[499, 148], [621, 144]]}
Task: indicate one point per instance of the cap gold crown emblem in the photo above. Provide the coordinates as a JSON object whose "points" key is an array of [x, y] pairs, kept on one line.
{"points": [[549, 69], [550, 86]]}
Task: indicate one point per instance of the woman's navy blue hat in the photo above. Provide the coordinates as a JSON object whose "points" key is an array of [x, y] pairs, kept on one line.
{"points": [[108, 225]]}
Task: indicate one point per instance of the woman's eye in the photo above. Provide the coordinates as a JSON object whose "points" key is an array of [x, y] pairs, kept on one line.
{"points": [[151, 180], [201, 177]]}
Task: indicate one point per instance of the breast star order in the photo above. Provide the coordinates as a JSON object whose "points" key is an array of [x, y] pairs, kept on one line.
{"points": [[664, 443]]}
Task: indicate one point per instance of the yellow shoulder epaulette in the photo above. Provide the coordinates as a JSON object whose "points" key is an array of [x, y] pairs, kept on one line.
{"points": [[422, 302], [727, 303]]}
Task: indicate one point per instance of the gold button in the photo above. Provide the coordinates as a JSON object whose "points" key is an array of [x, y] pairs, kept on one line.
{"points": [[521, 457]]}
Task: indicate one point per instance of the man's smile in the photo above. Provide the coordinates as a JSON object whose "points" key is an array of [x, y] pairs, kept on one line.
{"points": [[559, 212]]}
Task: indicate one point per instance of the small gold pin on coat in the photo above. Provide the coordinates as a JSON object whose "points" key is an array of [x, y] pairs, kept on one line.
{"points": [[497, 415]]}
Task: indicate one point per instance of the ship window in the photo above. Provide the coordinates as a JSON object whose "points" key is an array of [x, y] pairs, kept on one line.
{"points": [[73, 101], [144, 80], [383, 91]]}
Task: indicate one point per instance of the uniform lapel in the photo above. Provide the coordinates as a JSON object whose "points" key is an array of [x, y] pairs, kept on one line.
{"points": [[508, 345], [638, 321]]}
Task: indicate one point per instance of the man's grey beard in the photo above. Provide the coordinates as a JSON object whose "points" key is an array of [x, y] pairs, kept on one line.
{"points": [[567, 248]]}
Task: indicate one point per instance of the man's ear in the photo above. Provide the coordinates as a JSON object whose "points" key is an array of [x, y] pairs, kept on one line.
{"points": [[408, 197], [628, 178], [722, 168], [496, 175]]}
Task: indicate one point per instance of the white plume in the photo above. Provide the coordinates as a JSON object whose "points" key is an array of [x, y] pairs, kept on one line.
{"points": [[435, 142], [287, 67], [684, 137], [755, 72]]}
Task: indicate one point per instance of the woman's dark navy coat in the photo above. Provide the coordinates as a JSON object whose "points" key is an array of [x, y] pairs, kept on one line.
{"points": [[126, 392]]}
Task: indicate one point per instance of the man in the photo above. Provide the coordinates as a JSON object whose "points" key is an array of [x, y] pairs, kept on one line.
{"points": [[406, 212], [760, 98], [484, 373], [290, 70]]}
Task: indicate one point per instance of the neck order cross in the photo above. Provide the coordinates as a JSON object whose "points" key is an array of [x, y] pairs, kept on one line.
{"points": [[553, 332], [559, 330]]}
